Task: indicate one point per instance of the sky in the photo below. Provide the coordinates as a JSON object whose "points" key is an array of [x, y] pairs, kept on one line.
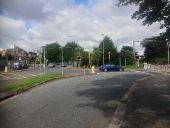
{"points": [[31, 24]]}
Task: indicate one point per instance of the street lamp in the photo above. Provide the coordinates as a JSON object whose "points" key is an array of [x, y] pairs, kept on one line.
{"points": [[168, 44], [103, 49], [109, 57], [43, 49], [62, 71]]}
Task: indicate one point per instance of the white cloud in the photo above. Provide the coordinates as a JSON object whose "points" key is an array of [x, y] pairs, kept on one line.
{"points": [[55, 20]]}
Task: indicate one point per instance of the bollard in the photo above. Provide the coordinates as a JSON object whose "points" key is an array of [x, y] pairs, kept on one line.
{"points": [[93, 70], [84, 70], [6, 69]]}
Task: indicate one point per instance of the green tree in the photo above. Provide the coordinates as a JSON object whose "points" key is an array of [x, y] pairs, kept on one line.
{"points": [[152, 11], [69, 51], [108, 47], [85, 58], [127, 52], [155, 50], [96, 56], [53, 52]]}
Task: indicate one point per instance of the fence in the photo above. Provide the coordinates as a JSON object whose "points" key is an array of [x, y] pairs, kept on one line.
{"points": [[157, 68]]}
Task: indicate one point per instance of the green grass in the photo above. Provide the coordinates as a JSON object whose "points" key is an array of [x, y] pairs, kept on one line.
{"points": [[27, 83], [133, 67]]}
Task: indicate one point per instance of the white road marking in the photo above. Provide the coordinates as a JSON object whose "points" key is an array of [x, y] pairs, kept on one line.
{"points": [[4, 76]]}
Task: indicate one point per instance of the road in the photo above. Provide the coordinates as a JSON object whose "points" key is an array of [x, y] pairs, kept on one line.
{"points": [[81, 102]]}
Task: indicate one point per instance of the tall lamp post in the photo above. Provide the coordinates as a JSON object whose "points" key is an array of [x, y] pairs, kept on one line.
{"points": [[168, 44], [42, 49], [103, 49], [62, 71], [109, 57], [62, 63], [44, 59]]}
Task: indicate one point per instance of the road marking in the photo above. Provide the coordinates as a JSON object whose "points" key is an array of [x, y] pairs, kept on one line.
{"points": [[6, 73], [4, 76], [30, 74], [144, 78], [20, 76]]}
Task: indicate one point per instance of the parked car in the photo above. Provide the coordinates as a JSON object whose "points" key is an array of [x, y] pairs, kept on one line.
{"points": [[108, 67], [64, 65], [19, 66], [51, 65]]}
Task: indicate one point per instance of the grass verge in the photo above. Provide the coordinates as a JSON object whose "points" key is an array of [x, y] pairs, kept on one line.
{"points": [[132, 67], [28, 83]]}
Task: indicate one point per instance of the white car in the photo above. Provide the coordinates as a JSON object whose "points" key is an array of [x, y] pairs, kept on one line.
{"points": [[51, 65]]}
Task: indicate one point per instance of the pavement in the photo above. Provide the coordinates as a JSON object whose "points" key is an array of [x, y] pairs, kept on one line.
{"points": [[81, 102], [148, 105]]}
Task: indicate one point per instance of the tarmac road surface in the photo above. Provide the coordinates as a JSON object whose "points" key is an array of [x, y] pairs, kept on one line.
{"points": [[80, 102]]}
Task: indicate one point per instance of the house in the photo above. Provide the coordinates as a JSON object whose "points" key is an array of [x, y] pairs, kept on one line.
{"points": [[17, 54], [32, 54], [3, 59], [2, 52]]}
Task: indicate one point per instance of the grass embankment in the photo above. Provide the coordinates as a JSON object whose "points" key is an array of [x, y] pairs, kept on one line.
{"points": [[28, 83]]}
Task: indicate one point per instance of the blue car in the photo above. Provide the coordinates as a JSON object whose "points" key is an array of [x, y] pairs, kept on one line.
{"points": [[109, 68]]}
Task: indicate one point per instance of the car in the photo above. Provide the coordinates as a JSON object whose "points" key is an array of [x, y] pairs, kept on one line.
{"points": [[19, 66], [51, 65], [109, 68], [64, 65]]}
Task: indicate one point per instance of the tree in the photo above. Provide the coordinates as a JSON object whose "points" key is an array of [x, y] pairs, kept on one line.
{"points": [[152, 11], [69, 51], [85, 58], [97, 56], [108, 47], [155, 50], [53, 52], [127, 53]]}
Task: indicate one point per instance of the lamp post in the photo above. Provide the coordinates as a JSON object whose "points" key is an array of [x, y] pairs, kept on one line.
{"points": [[109, 57], [89, 59], [62, 71], [103, 49], [44, 59], [42, 49], [40, 55], [168, 44]]}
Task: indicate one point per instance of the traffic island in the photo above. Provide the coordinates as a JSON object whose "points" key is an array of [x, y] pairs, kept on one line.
{"points": [[11, 89]]}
